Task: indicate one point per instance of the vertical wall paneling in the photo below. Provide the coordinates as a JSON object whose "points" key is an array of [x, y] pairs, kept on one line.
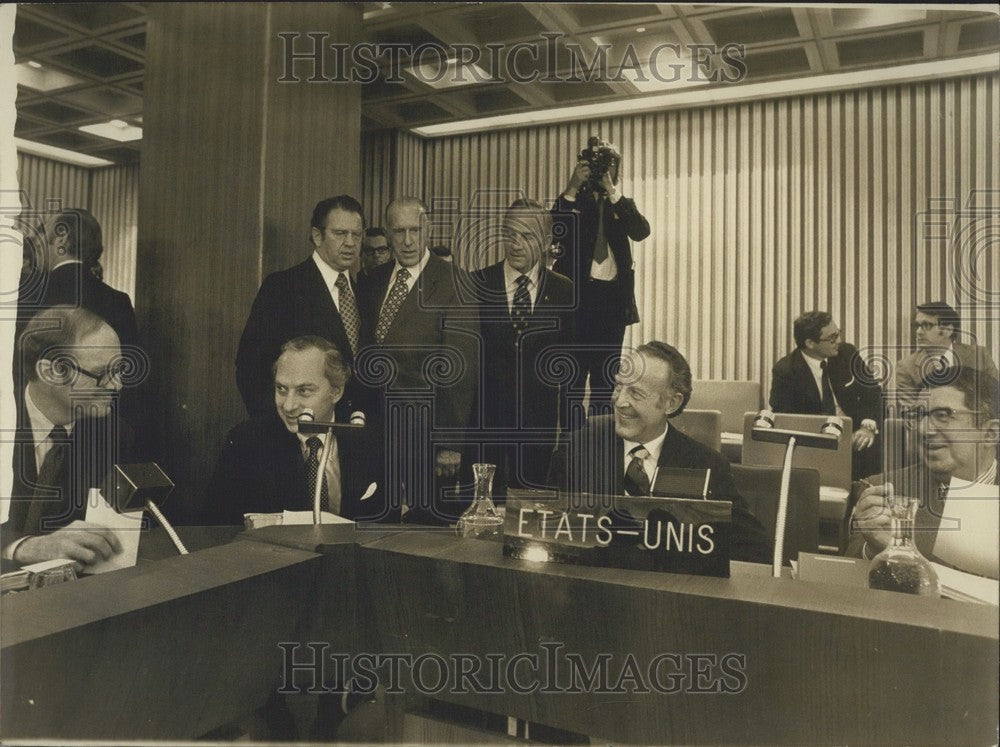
{"points": [[762, 210], [114, 200]]}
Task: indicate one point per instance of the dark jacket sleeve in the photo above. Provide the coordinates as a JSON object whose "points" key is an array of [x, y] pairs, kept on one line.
{"points": [[782, 398], [636, 225]]}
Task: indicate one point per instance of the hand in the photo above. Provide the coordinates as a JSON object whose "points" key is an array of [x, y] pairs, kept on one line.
{"points": [[83, 543], [580, 176], [872, 516], [447, 462], [862, 438], [609, 186]]}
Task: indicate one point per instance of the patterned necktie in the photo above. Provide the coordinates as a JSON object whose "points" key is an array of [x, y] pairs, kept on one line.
{"points": [[312, 471], [829, 404], [636, 480], [521, 308], [349, 311], [601, 240], [391, 306]]}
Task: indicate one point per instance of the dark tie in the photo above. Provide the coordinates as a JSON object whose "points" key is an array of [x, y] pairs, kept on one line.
{"points": [[349, 311], [601, 240], [636, 480], [52, 477], [829, 404], [521, 307], [391, 306], [312, 470]]}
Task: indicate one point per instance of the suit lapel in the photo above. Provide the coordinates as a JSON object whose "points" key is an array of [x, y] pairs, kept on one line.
{"points": [[805, 375], [315, 287]]}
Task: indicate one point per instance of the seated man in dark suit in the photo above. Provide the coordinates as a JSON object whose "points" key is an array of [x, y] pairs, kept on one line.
{"points": [[619, 454], [66, 440], [824, 376], [526, 316], [267, 466], [957, 423]]}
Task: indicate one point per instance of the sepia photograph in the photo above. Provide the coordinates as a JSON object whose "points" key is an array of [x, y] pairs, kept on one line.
{"points": [[499, 373]]}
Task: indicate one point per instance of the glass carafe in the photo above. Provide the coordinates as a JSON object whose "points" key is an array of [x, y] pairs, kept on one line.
{"points": [[900, 566], [482, 519]]}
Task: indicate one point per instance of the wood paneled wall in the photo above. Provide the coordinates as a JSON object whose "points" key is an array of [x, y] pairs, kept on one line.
{"points": [[111, 193], [762, 210]]}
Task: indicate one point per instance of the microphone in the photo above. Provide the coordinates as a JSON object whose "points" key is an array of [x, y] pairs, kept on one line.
{"points": [[765, 419], [832, 427], [308, 423], [358, 418]]}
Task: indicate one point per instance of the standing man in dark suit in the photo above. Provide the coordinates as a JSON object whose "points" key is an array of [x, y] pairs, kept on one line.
{"points": [[824, 376], [67, 438], [526, 316], [937, 327], [422, 333], [267, 466], [315, 297], [621, 453], [593, 223]]}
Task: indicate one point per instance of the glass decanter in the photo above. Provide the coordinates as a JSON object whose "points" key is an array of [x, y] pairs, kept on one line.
{"points": [[482, 520], [900, 566]]}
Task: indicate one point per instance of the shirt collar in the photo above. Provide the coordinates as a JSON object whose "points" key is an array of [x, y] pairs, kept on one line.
{"points": [[67, 262], [41, 426], [329, 274], [815, 364], [414, 271], [511, 275], [654, 447]]}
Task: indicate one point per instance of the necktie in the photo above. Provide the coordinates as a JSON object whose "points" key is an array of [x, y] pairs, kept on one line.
{"points": [[521, 307], [52, 477], [54, 465], [636, 480], [601, 240], [312, 472], [349, 311], [829, 404], [391, 306]]}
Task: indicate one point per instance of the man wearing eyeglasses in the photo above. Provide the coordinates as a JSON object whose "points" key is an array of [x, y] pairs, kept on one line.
{"points": [[937, 327], [824, 376], [67, 439], [375, 250], [955, 421], [315, 297]]}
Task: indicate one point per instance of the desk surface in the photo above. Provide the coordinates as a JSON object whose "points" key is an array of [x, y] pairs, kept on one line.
{"points": [[198, 635]]}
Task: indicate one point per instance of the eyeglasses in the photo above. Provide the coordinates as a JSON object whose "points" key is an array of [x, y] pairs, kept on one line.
{"points": [[924, 326], [830, 338], [111, 373], [941, 417], [340, 234]]}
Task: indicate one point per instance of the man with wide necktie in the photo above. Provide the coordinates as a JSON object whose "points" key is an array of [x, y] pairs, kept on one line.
{"points": [[67, 439], [268, 465], [619, 453]]}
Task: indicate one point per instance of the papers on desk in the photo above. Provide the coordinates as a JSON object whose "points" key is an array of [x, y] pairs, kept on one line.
{"points": [[126, 526], [966, 587], [291, 518]]}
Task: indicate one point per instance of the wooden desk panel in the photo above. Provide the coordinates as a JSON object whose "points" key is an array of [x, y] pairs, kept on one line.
{"points": [[165, 650], [824, 664]]}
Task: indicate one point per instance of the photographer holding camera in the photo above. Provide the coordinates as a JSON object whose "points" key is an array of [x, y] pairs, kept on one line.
{"points": [[593, 223]]}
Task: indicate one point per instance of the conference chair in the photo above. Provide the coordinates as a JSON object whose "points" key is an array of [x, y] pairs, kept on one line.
{"points": [[760, 487], [732, 399], [704, 426]]}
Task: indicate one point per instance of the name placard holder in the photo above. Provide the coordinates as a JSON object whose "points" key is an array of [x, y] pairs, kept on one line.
{"points": [[676, 535]]}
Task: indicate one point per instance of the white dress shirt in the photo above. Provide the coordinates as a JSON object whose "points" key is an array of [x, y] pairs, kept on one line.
{"points": [[511, 275]]}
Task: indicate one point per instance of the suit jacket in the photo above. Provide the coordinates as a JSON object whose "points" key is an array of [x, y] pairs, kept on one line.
{"points": [[436, 319], [95, 445], [576, 225], [261, 470], [908, 370], [793, 388], [593, 462], [290, 303], [515, 396]]}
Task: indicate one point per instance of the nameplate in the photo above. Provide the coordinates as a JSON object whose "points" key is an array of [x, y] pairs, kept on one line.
{"points": [[676, 535]]}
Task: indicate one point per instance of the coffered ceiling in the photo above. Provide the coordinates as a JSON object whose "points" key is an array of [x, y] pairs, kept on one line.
{"points": [[82, 64]]}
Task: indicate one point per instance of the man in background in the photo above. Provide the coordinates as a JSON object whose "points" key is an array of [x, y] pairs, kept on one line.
{"points": [[375, 249], [824, 376], [315, 297]]}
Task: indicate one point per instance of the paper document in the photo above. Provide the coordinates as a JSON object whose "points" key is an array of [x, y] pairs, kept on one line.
{"points": [[127, 527], [306, 517], [967, 588]]}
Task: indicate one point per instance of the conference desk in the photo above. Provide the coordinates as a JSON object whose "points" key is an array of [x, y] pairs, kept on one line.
{"points": [[173, 648]]}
